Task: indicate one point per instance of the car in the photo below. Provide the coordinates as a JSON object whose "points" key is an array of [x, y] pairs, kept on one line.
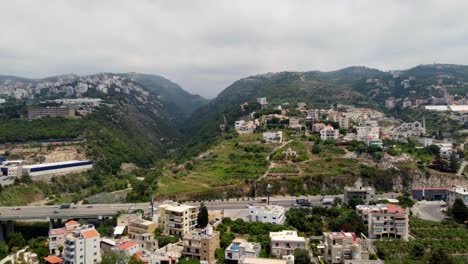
{"points": [[56, 212], [16, 209], [248, 205], [89, 206]]}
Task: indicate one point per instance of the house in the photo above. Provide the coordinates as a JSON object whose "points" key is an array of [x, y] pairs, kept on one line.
{"points": [[345, 247], [124, 219], [128, 248], [284, 242], [273, 214], [201, 244], [273, 137], [455, 192], [317, 127], [385, 220], [138, 227], [329, 133], [177, 219], [241, 248]]}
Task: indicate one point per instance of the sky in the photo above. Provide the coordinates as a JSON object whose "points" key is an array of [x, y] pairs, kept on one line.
{"points": [[206, 45]]}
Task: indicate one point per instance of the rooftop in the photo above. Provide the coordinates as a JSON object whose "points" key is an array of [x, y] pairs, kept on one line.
{"points": [[53, 259], [381, 208], [286, 235], [176, 207], [90, 233], [126, 245], [53, 164]]}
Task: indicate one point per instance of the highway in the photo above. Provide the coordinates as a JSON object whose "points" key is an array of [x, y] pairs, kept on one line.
{"points": [[108, 210]]}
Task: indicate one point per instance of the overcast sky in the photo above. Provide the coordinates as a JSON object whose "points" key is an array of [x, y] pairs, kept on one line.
{"points": [[206, 45]]}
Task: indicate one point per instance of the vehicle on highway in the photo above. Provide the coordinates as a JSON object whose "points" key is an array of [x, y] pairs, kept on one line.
{"points": [[248, 205], [303, 202], [89, 206], [56, 212], [16, 209], [55, 206], [64, 206], [263, 200]]}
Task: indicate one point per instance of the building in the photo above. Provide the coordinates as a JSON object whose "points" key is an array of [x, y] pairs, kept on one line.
{"points": [[284, 242], [262, 101], [146, 242], [53, 260], [241, 248], [430, 194], [138, 227], [329, 133], [201, 244], [177, 219], [425, 141], [38, 112], [245, 127], [343, 121], [273, 137], [390, 103], [250, 260], [457, 192], [373, 142], [385, 220], [57, 236], [345, 247], [358, 191], [128, 248], [446, 149], [368, 130], [124, 219], [317, 127], [82, 246], [57, 168], [10, 171], [273, 214]]}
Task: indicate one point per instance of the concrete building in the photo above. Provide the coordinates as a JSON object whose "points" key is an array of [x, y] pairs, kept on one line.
{"points": [[373, 142], [385, 220], [124, 219], [57, 168], [146, 242], [128, 248], [241, 248], [430, 194], [368, 129], [273, 137], [390, 103], [317, 127], [82, 246], [57, 236], [201, 244], [425, 141], [345, 247], [177, 219], [457, 192], [10, 171], [138, 227], [284, 243], [38, 112], [329, 133], [358, 191], [250, 260], [273, 214]]}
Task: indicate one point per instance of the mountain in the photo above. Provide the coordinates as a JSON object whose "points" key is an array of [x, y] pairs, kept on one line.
{"points": [[348, 75], [169, 91]]}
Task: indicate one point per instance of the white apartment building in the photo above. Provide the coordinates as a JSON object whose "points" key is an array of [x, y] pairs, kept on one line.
{"points": [[177, 219], [369, 130], [57, 236], [329, 133], [273, 137], [284, 242], [9, 171], [385, 220], [273, 214], [82, 246], [128, 248], [241, 248], [457, 192], [345, 247]]}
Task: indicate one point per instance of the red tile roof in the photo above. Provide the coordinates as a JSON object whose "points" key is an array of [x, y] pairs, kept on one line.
{"points": [[72, 222], [126, 245], [393, 208], [90, 233], [53, 259]]}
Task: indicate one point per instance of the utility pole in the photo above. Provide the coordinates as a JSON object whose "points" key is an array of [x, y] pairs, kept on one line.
{"points": [[268, 193]]}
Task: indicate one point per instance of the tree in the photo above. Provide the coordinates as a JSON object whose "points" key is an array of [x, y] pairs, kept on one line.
{"points": [[434, 150], [134, 260], [188, 261], [405, 201], [16, 240], [454, 163], [439, 256], [316, 149], [459, 210], [3, 249], [301, 256], [202, 218], [113, 257], [355, 201]]}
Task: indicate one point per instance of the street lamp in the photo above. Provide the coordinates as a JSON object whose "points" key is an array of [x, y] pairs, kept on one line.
{"points": [[268, 193]]}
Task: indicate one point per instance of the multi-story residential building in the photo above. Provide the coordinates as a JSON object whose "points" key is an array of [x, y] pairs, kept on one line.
{"points": [[147, 242], [128, 248], [57, 236], [358, 191], [457, 192], [138, 227], [273, 214], [317, 127], [345, 247], [385, 220], [177, 219], [241, 248], [82, 246], [390, 103], [10, 171], [201, 244], [329, 133], [284, 243], [373, 142], [425, 141], [168, 254], [368, 129], [273, 137], [262, 101], [343, 121]]}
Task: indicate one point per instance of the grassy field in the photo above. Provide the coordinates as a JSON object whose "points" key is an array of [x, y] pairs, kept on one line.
{"points": [[228, 163]]}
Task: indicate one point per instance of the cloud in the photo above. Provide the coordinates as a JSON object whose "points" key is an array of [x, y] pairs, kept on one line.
{"points": [[205, 45]]}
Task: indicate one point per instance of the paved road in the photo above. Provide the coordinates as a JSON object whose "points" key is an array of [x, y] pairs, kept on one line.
{"points": [[429, 210], [106, 210]]}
